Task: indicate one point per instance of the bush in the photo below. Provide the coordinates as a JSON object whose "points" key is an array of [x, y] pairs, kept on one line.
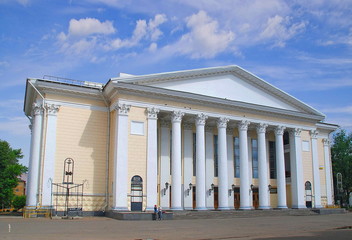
{"points": [[19, 202]]}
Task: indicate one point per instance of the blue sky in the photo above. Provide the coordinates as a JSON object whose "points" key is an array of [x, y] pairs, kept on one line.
{"points": [[302, 47]]}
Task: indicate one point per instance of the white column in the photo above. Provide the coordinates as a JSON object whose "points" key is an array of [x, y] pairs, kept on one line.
{"points": [[316, 175], [121, 158], [328, 179], [152, 161], [297, 185], [209, 166], [49, 158], [165, 164], [176, 181], [200, 162], [230, 166], [262, 167], [188, 165], [34, 160], [280, 167], [222, 165], [244, 172]]}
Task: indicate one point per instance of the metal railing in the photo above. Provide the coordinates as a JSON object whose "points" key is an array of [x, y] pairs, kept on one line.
{"points": [[73, 82]]}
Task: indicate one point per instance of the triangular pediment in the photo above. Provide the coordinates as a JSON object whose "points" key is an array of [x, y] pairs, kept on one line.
{"points": [[227, 87], [229, 82]]}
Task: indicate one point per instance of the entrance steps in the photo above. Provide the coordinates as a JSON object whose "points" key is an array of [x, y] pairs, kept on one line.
{"points": [[214, 214]]}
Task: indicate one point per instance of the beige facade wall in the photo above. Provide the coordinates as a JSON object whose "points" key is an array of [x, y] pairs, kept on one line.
{"points": [[82, 136], [307, 160], [137, 149]]}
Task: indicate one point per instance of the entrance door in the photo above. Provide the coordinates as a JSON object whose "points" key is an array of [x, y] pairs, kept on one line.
{"points": [[136, 193], [255, 198], [194, 198], [237, 198], [308, 187], [216, 197]]}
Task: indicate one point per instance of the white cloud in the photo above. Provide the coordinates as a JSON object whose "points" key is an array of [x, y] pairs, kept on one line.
{"points": [[143, 30], [89, 26], [205, 39], [280, 30]]}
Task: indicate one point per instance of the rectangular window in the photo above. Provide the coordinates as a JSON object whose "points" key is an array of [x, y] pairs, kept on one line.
{"points": [[272, 159], [215, 155], [194, 154], [254, 158], [236, 148], [137, 128]]}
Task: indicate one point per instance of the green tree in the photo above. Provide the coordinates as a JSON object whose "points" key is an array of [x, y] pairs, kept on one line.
{"points": [[19, 202], [10, 169], [341, 156]]}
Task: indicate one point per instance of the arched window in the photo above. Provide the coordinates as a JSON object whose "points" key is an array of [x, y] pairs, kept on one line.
{"points": [[136, 193]]}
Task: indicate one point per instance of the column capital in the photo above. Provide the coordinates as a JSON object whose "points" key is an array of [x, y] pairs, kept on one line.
{"points": [[243, 125], [296, 132], [261, 128], [152, 112], [222, 122], [176, 116], [164, 123], [326, 142], [52, 109], [37, 109], [229, 131], [122, 109], [200, 119], [279, 130], [314, 133], [187, 125]]}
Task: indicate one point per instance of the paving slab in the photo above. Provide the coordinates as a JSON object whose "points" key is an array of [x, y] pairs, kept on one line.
{"points": [[259, 227]]}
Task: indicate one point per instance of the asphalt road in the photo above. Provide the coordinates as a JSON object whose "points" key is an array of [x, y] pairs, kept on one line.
{"points": [[335, 226]]}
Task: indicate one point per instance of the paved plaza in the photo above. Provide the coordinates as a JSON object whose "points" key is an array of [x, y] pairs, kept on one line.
{"points": [[334, 226]]}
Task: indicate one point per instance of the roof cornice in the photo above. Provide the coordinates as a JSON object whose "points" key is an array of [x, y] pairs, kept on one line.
{"points": [[223, 70], [162, 93]]}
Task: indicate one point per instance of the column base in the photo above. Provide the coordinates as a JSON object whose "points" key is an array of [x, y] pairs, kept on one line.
{"points": [[264, 207], [223, 208], [188, 208], [318, 206], [201, 208], [176, 208], [120, 209], [246, 208], [281, 207]]}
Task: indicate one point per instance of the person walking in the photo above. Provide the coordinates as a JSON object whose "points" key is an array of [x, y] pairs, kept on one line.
{"points": [[160, 213], [155, 217]]}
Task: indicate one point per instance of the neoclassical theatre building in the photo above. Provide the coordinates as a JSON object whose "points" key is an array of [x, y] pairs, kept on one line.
{"points": [[213, 138]]}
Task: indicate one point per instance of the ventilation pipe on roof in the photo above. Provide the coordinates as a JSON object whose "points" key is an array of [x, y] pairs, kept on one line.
{"points": [[107, 153]]}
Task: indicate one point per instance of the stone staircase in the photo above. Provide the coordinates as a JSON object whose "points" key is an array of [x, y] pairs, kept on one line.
{"points": [[193, 214]]}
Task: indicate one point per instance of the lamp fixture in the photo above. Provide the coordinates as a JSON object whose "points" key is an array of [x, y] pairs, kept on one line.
{"points": [[252, 186], [189, 189], [211, 188], [269, 187], [233, 187], [166, 187]]}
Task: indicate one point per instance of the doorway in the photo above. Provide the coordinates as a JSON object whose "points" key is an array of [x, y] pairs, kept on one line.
{"points": [[237, 198], [136, 193], [216, 197], [255, 194], [308, 188]]}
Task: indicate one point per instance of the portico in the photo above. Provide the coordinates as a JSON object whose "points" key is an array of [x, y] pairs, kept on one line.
{"points": [[204, 139]]}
